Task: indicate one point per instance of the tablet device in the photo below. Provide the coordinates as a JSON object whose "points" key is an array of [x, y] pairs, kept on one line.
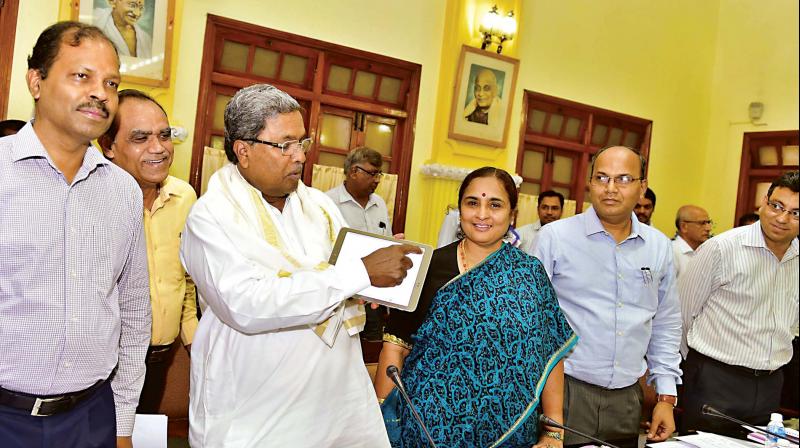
{"points": [[352, 243]]}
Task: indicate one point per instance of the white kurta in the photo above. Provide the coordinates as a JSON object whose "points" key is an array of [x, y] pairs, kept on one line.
{"points": [[260, 376], [144, 43]]}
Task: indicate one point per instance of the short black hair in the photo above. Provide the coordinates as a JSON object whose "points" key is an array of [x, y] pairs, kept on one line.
{"points": [[550, 194], [650, 194], [10, 127], [789, 179], [642, 161], [49, 43], [747, 218]]}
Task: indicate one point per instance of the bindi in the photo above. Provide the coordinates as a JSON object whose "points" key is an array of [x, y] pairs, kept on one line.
{"points": [[483, 195]]}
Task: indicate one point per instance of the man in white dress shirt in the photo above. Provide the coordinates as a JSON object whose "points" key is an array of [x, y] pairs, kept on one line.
{"points": [[364, 210], [276, 359], [693, 229], [550, 206], [739, 302]]}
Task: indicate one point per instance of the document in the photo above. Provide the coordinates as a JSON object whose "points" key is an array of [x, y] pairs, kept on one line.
{"points": [[355, 244]]}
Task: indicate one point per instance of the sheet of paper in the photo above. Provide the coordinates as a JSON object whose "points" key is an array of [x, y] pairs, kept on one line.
{"points": [[669, 444], [358, 246], [709, 440], [150, 431]]}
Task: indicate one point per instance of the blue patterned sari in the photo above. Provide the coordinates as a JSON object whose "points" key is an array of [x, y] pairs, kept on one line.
{"points": [[482, 356]]}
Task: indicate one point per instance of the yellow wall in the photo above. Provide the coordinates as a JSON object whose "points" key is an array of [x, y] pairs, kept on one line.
{"points": [[691, 67], [757, 60]]}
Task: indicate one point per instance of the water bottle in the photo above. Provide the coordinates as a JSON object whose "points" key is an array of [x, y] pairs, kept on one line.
{"points": [[775, 426]]}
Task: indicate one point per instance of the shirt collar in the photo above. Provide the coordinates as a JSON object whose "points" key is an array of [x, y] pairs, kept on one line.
{"points": [[345, 196], [593, 224], [754, 237], [683, 246], [28, 145]]}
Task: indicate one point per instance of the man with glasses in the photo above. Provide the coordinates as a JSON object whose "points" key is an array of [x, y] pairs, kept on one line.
{"points": [[276, 359], [139, 141], [364, 210], [693, 229], [616, 284], [739, 301]]}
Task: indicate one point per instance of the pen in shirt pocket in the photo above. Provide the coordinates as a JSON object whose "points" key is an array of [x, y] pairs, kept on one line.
{"points": [[647, 276]]}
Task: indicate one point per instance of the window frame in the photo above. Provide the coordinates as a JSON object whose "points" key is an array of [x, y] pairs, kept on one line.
{"points": [[213, 77], [583, 149]]}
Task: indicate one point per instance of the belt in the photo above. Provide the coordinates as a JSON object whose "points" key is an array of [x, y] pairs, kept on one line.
{"points": [[747, 370], [158, 353], [49, 405]]}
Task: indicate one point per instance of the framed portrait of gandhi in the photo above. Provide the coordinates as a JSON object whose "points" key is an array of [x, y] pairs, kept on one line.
{"points": [[484, 92], [141, 30]]}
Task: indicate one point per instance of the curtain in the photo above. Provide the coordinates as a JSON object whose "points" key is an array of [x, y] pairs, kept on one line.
{"points": [[213, 159], [325, 177]]}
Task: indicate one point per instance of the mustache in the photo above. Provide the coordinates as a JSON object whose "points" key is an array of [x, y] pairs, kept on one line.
{"points": [[99, 105]]}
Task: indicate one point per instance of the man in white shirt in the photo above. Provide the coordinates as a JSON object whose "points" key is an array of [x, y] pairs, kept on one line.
{"points": [[645, 207], [276, 359], [739, 303], [364, 210], [693, 229], [550, 206]]}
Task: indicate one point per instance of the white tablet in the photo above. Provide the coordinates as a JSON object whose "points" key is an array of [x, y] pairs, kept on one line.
{"points": [[352, 243]]}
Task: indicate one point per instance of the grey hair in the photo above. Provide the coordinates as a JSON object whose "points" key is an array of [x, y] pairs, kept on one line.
{"points": [[642, 160], [248, 111], [362, 154]]}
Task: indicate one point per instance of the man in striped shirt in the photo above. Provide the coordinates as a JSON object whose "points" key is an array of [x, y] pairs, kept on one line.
{"points": [[739, 303]]}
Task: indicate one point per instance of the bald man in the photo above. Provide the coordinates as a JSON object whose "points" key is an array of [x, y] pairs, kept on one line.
{"points": [[485, 107], [693, 229]]}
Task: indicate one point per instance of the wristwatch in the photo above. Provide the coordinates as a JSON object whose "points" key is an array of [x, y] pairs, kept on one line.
{"points": [[671, 399]]}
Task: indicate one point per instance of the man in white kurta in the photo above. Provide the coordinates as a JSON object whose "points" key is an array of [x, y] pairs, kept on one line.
{"points": [[276, 359], [104, 19]]}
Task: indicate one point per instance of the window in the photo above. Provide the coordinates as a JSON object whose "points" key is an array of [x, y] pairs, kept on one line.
{"points": [[560, 136], [350, 97], [765, 156]]}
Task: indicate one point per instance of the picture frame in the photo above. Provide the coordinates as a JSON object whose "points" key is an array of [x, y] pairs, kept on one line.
{"points": [[144, 44], [483, 96]]}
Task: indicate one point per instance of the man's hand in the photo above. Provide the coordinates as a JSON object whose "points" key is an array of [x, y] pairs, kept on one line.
{"points": [[125, 442], [388, 266], [663, 424]]}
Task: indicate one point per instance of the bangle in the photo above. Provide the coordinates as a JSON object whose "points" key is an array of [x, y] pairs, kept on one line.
{"points": [[555, 435]]}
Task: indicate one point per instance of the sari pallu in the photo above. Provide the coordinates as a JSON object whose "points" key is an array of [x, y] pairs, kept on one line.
{"points": [[481, 358]]}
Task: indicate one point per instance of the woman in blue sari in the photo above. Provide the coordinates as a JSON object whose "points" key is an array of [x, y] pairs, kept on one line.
{"points": [[481, 355]]}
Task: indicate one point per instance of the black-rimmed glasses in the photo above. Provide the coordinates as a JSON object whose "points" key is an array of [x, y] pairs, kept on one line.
{"points": [[287, 148], [375, 174]]}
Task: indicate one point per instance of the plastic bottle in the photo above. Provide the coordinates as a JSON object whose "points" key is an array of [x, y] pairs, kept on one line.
{"points": [[775, 426]]}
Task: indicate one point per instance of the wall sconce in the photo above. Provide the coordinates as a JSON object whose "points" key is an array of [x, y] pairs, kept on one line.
{"points": [[496, 28]]}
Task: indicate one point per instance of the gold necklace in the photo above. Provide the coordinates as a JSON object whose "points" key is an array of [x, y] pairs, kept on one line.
{"points": [[464, 255]]}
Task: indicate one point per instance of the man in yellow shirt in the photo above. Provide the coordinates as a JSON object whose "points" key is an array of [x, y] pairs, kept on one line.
{"points": [[140, 142]]}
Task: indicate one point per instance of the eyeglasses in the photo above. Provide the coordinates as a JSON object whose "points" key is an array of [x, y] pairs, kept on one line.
{"points": [[778, 209], [375, 174], [705, 222], [287, 148], [623, 179]]}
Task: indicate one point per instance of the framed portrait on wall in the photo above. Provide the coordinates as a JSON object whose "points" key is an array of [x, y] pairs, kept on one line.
{"points": [[140, 29], [484, 92]]}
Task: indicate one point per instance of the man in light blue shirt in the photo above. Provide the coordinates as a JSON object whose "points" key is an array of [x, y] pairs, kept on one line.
{"points": [[615, 281]]}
